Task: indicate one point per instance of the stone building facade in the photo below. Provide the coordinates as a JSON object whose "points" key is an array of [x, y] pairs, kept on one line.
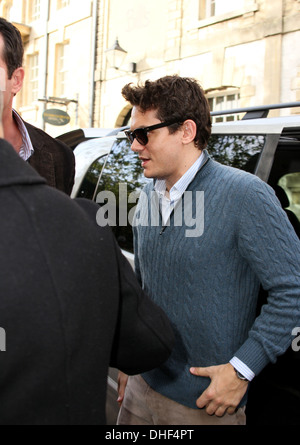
{"points": [[243, 52], [58, 39]]}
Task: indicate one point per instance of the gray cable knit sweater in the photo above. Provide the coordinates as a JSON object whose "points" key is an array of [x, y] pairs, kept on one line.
{"points": [[208, 285]]}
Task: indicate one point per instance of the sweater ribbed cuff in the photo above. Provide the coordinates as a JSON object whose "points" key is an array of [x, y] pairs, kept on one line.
{"points": [[252, 354]]}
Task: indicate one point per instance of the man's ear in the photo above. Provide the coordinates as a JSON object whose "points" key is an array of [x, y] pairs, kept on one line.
{"points": [[17, 80], [189, 131]]}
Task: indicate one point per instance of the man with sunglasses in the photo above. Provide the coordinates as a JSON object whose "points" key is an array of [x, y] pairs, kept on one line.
{"points": [[207, 284]]}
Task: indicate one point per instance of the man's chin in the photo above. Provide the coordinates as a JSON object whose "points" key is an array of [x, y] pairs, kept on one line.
{"points": [[148, 174]]}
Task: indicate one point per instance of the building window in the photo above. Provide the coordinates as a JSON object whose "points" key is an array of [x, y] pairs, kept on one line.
{"points": [[62, 4], [221, 101], [212, 8], [33, 78], [211, 12], [62, 71], [35, 10]]}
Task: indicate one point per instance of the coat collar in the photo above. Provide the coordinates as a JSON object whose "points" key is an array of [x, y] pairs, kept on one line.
{"points": [[13, 170]]}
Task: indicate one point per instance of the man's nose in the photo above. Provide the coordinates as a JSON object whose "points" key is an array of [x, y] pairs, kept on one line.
{"points": [[136, 146]]}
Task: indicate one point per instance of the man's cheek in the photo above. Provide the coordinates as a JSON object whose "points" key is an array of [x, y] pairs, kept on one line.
{"points": [[2, 79]]}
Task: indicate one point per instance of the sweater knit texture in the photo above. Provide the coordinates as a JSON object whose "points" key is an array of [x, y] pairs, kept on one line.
{"points": [[208, 285]]}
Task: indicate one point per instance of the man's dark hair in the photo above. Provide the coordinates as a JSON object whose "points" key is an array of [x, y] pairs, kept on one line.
{"points": [[175, 98], [13, 51]]}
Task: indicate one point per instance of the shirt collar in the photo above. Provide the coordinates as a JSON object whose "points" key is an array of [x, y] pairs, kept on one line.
{"points": [[182, 184], [26, 150]]}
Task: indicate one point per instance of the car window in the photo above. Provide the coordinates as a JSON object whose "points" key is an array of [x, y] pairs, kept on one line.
{"points": [[88, 186], [285, 178], [122, 174], [239, 151], [290, 183]]}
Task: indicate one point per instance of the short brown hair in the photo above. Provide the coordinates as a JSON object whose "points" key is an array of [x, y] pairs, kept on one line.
{"points": [[175, 98], [13, 51]]}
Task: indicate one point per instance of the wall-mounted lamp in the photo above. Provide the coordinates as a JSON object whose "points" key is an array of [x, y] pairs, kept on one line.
{"points": [[116, 56]]}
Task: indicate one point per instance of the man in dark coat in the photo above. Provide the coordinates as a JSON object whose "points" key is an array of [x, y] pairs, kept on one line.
{"points": [[70, 305], [51, 158]]}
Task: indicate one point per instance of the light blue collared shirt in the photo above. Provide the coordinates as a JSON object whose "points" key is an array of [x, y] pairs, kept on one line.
{"points": [[26, 150], [178, 189]]}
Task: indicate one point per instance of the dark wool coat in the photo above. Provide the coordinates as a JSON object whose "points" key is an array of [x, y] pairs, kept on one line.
{"points": [[63, 282], [52, 159]]}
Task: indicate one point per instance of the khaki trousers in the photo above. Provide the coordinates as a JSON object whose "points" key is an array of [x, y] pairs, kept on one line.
{"points": [[143, 406]]}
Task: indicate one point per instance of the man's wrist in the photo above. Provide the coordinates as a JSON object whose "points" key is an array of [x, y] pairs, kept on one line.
{"points": [[245, 373], [240, 376]]}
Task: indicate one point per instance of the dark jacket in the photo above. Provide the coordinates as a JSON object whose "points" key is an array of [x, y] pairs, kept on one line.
{"points": [[52, 159], [65, 289]]}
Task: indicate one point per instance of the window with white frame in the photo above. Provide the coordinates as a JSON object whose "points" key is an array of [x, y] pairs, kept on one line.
{"points": [[33, 78], [224, 100], [62, 63], [35, 10], [212, 8], [62, 4]]}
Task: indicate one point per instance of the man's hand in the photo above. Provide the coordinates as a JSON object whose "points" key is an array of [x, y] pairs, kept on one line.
{"points": [[225, 391], [122, 383]]}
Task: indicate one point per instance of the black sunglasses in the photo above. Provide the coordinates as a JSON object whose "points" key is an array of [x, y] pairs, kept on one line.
{"points": [[141, 134]]}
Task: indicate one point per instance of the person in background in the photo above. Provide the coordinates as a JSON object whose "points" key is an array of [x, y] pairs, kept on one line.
{"points": [[51, 158], [205, 275]]}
